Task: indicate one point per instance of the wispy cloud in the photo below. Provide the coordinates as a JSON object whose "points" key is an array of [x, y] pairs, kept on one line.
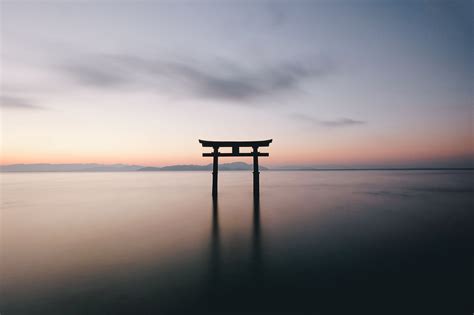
{"points": [[13, 102], [341, 122], [95, 74], [223, 80]]}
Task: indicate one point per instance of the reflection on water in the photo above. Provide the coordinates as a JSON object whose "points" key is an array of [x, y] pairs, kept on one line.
{"points": [[215, 247], [155, 243], [257, 243]]}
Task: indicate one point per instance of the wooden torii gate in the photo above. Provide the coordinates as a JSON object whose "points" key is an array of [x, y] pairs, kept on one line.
{"points": [[235, 145]]}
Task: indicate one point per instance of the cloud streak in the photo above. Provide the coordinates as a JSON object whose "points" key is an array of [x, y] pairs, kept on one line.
{"points": [[341, 122], [95, 75], [219, 80], [13, 102]]}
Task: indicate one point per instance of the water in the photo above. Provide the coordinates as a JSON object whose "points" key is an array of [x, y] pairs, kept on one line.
{"points": [[318, 242]]}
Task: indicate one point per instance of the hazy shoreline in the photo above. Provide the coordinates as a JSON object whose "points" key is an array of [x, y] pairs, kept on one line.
{"points": [[233, 166], [266, 170]]}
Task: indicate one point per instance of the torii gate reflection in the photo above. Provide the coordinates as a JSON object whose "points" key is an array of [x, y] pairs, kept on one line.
{"points": [[236, 145]]}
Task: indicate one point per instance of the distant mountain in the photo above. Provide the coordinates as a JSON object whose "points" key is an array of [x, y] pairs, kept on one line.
{"points": [[90, 167], [94, 167], [235, 166], [175, 168]]}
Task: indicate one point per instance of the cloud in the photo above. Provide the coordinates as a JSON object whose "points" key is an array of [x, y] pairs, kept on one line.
{"points": [[341, 122], [222, 80], [13, 102], [95, 74], [239, 84]]}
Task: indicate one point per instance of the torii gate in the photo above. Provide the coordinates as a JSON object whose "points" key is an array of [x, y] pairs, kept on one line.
{"points": [[236, 145]]}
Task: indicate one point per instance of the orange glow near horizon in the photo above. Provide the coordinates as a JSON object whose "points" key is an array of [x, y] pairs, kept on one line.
{"points": [[278, 156], [71, 144]]}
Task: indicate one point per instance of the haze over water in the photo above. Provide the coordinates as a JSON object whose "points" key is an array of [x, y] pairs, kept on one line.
{"points": [[153, 243]]}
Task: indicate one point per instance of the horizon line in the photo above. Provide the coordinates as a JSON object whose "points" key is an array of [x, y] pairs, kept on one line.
{"points": [[4, 168]]}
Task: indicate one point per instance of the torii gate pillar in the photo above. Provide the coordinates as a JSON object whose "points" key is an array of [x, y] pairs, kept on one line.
{"points": [[236, 145], [215, 169], [256, 174]]}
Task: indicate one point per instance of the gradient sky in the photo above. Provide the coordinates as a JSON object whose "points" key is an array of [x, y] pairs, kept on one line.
{"points": [[351, 83]]}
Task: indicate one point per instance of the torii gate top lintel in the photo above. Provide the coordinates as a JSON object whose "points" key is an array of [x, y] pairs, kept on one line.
{"points": [[260, 143], [236, 145]]}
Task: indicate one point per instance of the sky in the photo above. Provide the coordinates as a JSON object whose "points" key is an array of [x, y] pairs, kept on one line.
{"points": [[333, 83]]}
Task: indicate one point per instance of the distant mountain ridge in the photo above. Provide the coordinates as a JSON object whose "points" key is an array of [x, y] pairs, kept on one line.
{"points": [[87, 167], [94, 167], [235, 166]]}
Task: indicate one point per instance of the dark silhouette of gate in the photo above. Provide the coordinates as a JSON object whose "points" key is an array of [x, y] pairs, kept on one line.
{"points": [[236, 145]]}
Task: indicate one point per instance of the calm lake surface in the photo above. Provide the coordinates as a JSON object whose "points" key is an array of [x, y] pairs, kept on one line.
{"points": [[319, 242]]}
